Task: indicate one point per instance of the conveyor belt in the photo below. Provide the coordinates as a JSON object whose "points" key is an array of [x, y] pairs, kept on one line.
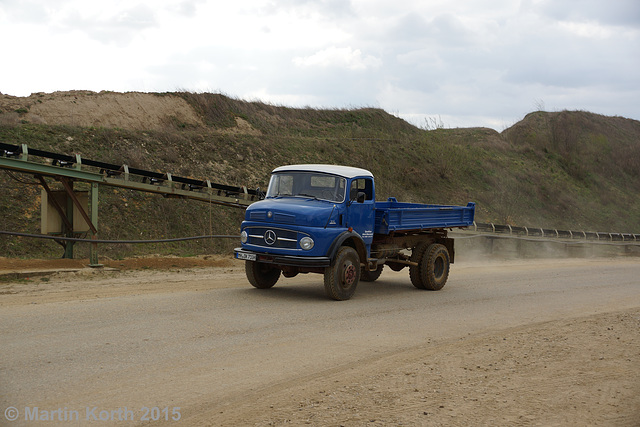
{"points": [[9, 149], [18, 158]]}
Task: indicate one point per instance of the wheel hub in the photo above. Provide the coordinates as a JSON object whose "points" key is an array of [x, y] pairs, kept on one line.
{"points": [[438, 267], [349, 274]]}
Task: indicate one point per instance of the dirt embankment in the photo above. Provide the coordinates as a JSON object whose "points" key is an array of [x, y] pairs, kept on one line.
{"points": [[131, 110]]}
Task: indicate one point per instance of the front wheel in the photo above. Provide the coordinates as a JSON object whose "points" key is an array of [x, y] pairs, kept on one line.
{"points": [[341, 279], [261, 275]]}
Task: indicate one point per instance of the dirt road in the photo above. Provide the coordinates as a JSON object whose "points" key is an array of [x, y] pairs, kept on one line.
{"points": [[518, 343]]}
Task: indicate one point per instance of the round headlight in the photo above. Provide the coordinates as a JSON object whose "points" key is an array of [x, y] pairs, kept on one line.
{"points": [[306, 243], [244, 237]]}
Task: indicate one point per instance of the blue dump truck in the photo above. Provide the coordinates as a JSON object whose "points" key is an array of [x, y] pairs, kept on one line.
{"points": [[325, 219]]}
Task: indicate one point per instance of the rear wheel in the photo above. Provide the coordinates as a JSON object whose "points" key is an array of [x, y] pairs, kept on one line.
{"points": [[432, 270], [341, 279], [261, 275], [371, 276], [414, 271]]}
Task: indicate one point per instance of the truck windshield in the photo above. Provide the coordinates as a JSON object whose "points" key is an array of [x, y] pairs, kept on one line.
{"points": [[315, 185]]}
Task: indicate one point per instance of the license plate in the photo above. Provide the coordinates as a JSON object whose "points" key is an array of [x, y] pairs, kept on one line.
{"points": [[248, 257]]}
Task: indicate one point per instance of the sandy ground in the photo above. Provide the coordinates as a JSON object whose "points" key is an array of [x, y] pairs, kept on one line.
{"points": [[25, 281], [22, 266], [578, 369], [577, 372], [509, 378]]}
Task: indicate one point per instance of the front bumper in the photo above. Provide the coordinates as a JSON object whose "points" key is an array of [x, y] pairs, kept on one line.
{"points": [[288, 260]]}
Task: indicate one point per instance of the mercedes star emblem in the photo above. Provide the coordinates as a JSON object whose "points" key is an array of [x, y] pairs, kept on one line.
{"points": [[270, 237]]}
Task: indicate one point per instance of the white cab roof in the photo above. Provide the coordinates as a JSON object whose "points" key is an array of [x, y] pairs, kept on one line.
{"points": [[345, 171]]}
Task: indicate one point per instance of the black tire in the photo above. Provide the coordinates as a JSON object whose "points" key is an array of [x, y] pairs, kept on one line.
{"points": [[341, 279], [371, 276], [434, 267], [414, 270], [261, 275]]}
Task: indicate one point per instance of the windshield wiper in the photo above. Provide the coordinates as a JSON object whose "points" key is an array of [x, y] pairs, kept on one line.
{"points": [[307, 195]]}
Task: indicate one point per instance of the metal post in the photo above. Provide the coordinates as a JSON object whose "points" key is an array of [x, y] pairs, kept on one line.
{"points": [[68, 249], [93, 207]]}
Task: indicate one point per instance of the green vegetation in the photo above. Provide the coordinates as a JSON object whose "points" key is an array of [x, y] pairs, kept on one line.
{"points": [[566, 170]]}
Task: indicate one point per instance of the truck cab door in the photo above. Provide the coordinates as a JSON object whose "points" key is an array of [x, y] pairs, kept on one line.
{"points": [[361, 212]]}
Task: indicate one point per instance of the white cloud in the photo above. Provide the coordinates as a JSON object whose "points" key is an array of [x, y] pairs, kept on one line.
{"points": [[587, 29], [340, 57], [464, 61], [625, 13]]}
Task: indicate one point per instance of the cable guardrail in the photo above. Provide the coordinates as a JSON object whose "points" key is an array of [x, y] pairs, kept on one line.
{"points": [[76, 239], [485, 229], [554, 235]]}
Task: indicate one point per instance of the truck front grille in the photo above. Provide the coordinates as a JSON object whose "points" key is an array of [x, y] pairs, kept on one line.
{"points": [[272, 237]]}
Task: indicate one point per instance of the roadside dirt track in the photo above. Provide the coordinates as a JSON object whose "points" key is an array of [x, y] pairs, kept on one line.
{"points": [[516, 343]]}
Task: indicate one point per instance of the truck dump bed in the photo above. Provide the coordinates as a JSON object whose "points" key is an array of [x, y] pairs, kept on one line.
{"points": [[394, 216]]}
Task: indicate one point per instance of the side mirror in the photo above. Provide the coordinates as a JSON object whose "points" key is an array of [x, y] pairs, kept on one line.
{"points": [[353, 194], [361, 197]]}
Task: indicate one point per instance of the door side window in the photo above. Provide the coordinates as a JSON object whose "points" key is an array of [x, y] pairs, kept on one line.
{"points": [[361, 185]]}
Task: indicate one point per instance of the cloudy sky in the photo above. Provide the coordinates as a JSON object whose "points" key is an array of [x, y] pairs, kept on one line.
{"points": [[452, 63]]}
